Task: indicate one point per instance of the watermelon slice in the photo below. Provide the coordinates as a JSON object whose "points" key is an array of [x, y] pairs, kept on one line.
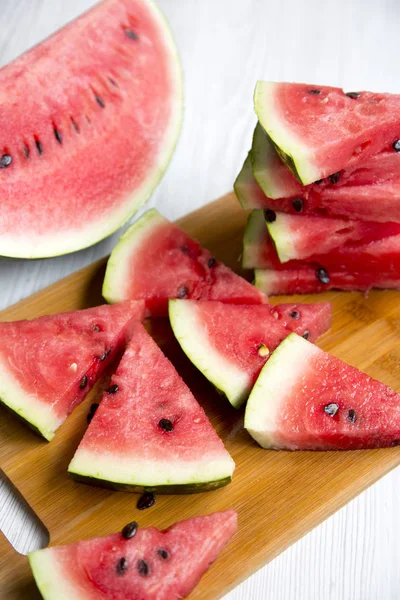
{"points": [[156, 260], [229, 344], [320, 403], [320, 130], [89, 120], [369, 192], [149, 433], [48, 365], [139, 564]]}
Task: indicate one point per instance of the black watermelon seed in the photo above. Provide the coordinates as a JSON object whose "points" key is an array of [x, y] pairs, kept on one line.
{"points": [[331, 409], [96, 328], [131, 34], [39, 147], [99, 101], [353, 95], [121, 566], [58, 135], [129, 531], [396, 146], [164, 554], [83, 382], [182, 292], [113, 82], [314, 91], [113, 389], [105, 355], [166, 425], [5, 161], [146, 501], [298, 204], [323, 276], [269, 215], [318, 181], [26, 151], [306, 334], [334, 178], [75, 125], [295, 314], [352, 415], [211, 263], [143, 567]]}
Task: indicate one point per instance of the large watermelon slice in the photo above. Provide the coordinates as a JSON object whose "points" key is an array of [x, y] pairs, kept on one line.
{"points": [[48, 365], [139, 564], [369, 194], [229, 344], [156, 260], [319, 130], [149, 433], [89, 119], [305, 399]]}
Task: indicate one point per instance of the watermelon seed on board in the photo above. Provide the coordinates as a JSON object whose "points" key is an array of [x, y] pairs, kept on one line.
{"points": [[130, 530], [145, 501]]}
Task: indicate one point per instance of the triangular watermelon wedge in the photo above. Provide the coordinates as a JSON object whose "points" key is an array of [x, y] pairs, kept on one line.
{"points": [[306, 399], [319, 130], [149, 433], [155, 260], [230, 344], [48, 365], [139, 564]]}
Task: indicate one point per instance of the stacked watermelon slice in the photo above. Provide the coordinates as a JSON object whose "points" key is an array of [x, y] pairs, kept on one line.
{"points": [[323, 183]]}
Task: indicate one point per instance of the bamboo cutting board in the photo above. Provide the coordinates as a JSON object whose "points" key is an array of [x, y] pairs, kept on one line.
{"points": [[279, 496]]}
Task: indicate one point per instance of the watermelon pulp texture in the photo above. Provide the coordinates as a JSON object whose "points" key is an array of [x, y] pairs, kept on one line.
{"points": [[230, 344], [106, 86], [156, 260], [49, 364], [149, 433], [370, 194], [320, 130], [152, 565], [320, 403]]}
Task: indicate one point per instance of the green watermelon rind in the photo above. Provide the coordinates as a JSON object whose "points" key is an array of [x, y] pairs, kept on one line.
{"points": [[291, 149], [253, 239], [61, 244], [49, 577], [242, 181], [272, 389], [117, 274], [225, 376], [283, 237], [267, 280]]}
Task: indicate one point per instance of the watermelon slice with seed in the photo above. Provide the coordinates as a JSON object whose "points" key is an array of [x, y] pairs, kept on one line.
{"points": [[89, 120], [306, 399], [146, 564], [230, 344], [49, 364], [155, 260], [149, 433], [320, 130]]}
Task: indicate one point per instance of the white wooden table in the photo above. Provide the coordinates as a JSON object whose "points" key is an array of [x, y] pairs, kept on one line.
{"points": [[226, 45]]}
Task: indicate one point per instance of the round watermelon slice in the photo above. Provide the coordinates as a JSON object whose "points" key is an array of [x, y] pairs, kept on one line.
{"points": [[230, 344], [149, 433], [48, 365], [89, 120], [306, 399], [139, 564], [155, 260], [320, 130]]}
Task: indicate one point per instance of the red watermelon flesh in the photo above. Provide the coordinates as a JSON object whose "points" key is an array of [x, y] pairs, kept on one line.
{"points": [[152, 565], [89, 121], [320, 130], [149, 433], [319, 403], [156, 260], [229, 344], [49, 364]]}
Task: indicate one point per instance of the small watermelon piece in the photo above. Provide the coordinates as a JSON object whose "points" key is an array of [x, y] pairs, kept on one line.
{"points": [[48, 365], [310, 279], [149, 433], [306, 399], [149, 565], [155, 260], [320, 130], [89, 120], [230, 344]]}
